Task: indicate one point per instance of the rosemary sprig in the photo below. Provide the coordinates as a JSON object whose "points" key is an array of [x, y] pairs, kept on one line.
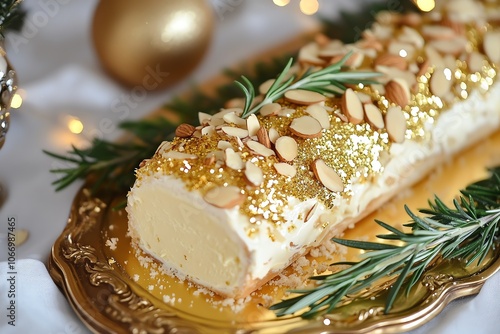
{"points": [[467, 230], [328, 81]]}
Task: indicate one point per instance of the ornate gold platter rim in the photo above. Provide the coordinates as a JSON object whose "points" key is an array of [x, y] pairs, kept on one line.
{"points": [[107, 300]]}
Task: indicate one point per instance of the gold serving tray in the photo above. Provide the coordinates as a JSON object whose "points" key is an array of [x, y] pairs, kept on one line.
{"points": [[112, 292]]}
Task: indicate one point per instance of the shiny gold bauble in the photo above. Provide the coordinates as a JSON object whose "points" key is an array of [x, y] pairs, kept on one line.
{"points": [[152, 43]]}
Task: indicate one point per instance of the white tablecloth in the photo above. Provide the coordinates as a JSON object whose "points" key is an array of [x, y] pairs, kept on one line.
{"points": [[60, 77]]}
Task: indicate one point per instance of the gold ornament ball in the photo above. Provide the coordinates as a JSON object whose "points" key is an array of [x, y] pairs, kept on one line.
{"points": [[152, 43]]}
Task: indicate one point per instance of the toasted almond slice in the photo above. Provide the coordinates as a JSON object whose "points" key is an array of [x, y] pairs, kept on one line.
{"points": [[286, 148], [204, 117], [237, 102], [438, 32], [273, 135], [223, 145], [434, 57], [450, 46], [180, 156], [286, 112], [225, 111], [232, 118], [476, 61], [235, 132], [374, 116], [285, 169], [406, 50], [259, 149], [391, 60], [398, 92], [410, 35], [270, 109], [308, 54], [306, 127], [253, 125], [311, 212], [319, 113], [327, 176], [491, 45], [264, 87], [424, 68], [215, 122], [224, 197], [364, 98], [253, 174], [263, 137], [439, 83], [304, 97], [208, 130], [395, 123], [233, 159], [163, 147], [352, 106]]}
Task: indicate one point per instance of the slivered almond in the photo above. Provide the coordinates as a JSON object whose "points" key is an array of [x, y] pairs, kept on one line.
{"points": [[237, 102], [270, 109], [209, 160], [475, 61], [164, 146], [439, 84], [392, 61], [491, 45], [235, 132], [253, 125], [263, 137], [184, 130], [450, 46], [273, 135], [180, 156], [352, 106], [208, 130], [233, 159], [216, 121], [259, 149], [304, 97], [398, 92], [204, 117], [364, 98], [434, 57], [424, 68], [311, 212], [285, 169], [264, 87], [395, 123], [224, 197], [308, 54], [306, 127], [253, 174], [223, 145], [234, 119], [410, 35], [286, 112], [286, 148], [320, 114], [374, 116], [438, 32], [225, 111], [402, 49], [327, 176]]}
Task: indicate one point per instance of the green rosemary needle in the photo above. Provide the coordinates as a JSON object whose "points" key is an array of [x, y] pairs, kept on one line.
{"points": [[467, 230], [328, 81]]}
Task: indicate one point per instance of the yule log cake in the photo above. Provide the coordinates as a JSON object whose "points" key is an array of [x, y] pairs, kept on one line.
{"points": [[231, 202]]}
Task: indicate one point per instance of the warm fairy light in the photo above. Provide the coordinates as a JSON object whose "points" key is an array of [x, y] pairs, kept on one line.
{"points": [[309, 7], [75, 125], [281, 3], [403, 53], [16, 101], [425, 5]]}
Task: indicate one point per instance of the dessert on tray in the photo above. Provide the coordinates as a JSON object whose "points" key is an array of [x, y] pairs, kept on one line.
{"points": [[230, 203]]}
